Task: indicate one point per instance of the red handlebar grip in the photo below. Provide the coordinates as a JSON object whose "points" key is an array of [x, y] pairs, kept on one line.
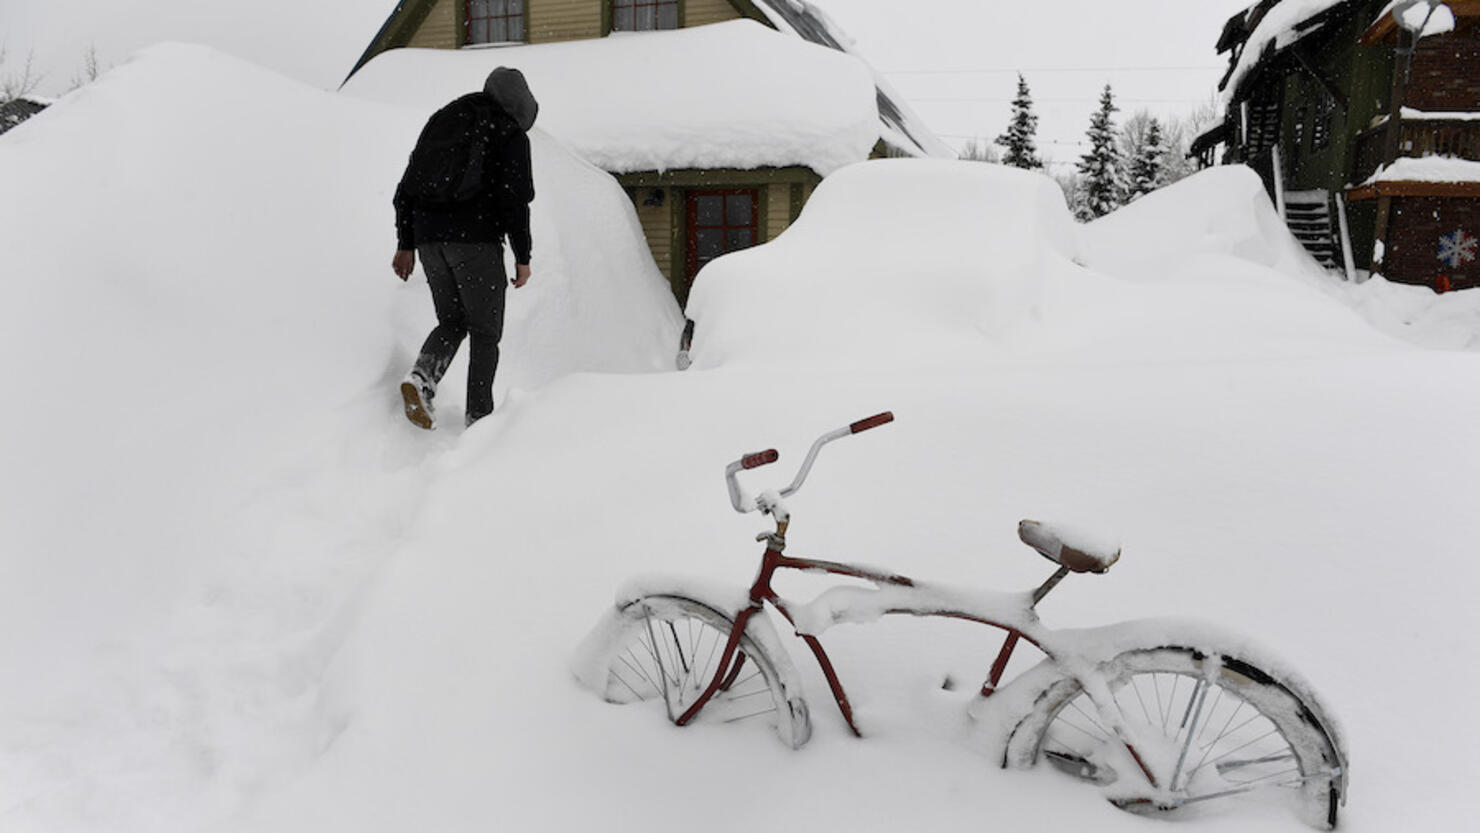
{"points": [[760, 458], [872, 422]]}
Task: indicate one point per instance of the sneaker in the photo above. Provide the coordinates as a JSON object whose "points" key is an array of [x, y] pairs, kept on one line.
{"points": [[417, 396]]}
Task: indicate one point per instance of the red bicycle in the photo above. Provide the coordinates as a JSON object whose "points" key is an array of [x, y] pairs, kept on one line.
{"points": [[1162, 715]]}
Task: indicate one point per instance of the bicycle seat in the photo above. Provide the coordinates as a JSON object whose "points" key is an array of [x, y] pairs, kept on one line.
{"points": [[1080, 556]]}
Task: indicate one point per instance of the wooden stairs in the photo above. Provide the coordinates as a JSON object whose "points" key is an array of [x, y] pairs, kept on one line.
{"points": [[1308, 216]]}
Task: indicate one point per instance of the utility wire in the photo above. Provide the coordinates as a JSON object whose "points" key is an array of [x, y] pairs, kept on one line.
{"points": [[1026, 70], [988, 100]]}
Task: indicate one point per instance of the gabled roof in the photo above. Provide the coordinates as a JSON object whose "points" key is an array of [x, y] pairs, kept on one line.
{"points": [[1268, 29], [900, 127], [905, 130]]}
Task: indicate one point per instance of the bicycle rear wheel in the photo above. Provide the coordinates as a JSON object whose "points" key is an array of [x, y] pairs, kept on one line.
{"points": [[1211, 729], [669, 652]]}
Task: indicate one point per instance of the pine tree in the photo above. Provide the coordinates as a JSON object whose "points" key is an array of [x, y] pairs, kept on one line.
{"points": [[1100, 184], [1021, 150], [1148, 163]]}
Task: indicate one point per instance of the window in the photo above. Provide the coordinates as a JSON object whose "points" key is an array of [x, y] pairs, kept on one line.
{"points": [[644, 15], [1320, 134], [495, 21], [720, 222]]}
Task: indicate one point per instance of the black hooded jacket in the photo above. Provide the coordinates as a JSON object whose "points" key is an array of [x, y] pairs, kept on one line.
{"points": [[502, 206]]}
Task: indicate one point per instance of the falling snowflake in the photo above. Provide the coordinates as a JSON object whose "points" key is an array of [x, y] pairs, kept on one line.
{"points": [[1457, 248]]}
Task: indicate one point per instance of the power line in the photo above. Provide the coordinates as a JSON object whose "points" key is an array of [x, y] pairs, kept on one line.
{"points": [[1026, 70], [990, 100]]}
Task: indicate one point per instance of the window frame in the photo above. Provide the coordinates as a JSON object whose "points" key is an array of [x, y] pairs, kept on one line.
{"points": [[676, 5], [521, 15]]}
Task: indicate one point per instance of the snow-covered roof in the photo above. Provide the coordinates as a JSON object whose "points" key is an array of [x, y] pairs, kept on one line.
{"points": [[1428, 169], [647, 101], [902, 127], [1282, 25], [18, 109]]}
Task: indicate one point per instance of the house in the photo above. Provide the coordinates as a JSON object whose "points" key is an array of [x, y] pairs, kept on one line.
{"points": [[1366, 133], [718, 117], [17, 110]]}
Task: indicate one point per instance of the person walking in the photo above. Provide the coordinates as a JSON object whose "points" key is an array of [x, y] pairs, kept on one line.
{"points": [[466, 187]]}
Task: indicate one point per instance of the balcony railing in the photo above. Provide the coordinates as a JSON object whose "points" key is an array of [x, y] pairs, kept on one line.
{"points": [[1421, 137]]}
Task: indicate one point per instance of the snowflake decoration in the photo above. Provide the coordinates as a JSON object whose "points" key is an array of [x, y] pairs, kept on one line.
{"points": [[1457, 248]]}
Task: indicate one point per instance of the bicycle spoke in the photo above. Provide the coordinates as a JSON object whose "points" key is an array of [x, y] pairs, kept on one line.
{"points": [[1200, 694], [1222, 733], [1156, 684], [639, 671], [1243, 746], [1247, 788], [1171, 702], [1074, 704], [1229, 766], [1135, 683]]}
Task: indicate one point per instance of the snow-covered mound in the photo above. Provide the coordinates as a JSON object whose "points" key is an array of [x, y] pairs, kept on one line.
{"points": [[238, 592], [923, 262], [199, 314], [890, 260], [664, 100], [1222, 211], [1203, 230]]}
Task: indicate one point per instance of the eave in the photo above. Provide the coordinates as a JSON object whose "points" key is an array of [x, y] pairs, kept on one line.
{"points": [[1384, 31], [1414, 188]]}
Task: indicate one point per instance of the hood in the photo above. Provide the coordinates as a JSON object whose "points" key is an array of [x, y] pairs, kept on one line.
{"points": [[508, 87]]}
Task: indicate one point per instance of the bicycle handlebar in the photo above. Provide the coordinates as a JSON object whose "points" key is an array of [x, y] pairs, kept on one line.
{"points": [[761, 458], [872, 422]]}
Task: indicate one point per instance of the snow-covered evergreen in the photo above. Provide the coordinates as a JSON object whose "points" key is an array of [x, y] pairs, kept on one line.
{"points": [[1149, 162], [1019, 142], [1101, 184]]}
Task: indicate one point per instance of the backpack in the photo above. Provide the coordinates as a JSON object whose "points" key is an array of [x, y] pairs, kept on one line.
{"points": [[447, 164]]}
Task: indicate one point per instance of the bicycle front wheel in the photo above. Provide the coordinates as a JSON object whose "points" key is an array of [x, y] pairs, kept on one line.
{"points": [[670, 651], [1211, 730]]}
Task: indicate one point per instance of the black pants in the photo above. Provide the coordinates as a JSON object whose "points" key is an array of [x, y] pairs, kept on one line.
{"points": [[468, 284]]}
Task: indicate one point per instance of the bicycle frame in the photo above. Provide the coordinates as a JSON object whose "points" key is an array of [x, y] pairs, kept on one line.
{"points": [[1012, 613]]}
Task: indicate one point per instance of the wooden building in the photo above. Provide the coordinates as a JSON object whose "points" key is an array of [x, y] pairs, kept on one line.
{"points": [[1367, 136], [689, 215]]}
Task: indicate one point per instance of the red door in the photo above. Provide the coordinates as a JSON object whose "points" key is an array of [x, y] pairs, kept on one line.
{"points": [[719, 221]]}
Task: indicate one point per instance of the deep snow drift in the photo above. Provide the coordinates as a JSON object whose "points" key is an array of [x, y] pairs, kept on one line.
{"points": [[242, 594]]}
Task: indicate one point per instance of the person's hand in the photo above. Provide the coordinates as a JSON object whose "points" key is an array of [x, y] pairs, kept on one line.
{"points": [[403, 263], [521, 274]]}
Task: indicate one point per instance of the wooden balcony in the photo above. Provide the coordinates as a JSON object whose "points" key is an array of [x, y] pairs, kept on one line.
{"points": [[1427, 137]]}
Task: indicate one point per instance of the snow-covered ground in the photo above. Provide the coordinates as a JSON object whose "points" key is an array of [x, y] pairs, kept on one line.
{"points": [[241, 593]]}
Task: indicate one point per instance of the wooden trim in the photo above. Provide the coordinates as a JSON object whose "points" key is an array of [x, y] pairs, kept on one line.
{"points": [[717, 178], [1386, 27], [747, 9], [1336, 93], [1413, 188]]}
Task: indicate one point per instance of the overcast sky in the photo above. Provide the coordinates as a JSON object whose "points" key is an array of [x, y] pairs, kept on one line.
{"points": [[955, 61]]}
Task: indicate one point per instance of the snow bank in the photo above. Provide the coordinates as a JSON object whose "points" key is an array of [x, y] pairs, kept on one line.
{"points": [[923, 263], [205, 332], [1223, 210], [891, 260], [241, 594], [665, 100]]}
